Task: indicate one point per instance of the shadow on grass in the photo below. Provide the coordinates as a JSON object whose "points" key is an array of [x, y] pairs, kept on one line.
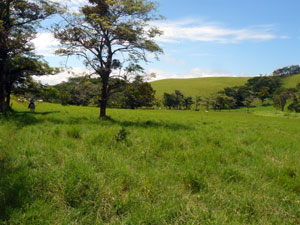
{"points": [[22, 119], [14, 189], [152, 124]]}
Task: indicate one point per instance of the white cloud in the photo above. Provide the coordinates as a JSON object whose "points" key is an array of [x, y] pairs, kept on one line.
{"points": [[194, 73], [193, 30], [72, 5], [45, 44], [170, 60], [284, 37], [63, 76], [197, 72]]}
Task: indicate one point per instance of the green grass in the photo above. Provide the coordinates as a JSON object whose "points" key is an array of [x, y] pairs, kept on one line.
{"points": [[197, 86], [62, 165], [292, 81]]}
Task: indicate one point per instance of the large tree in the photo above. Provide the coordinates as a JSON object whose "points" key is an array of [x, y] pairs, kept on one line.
{"points": [[18, 22], [109, 34]]}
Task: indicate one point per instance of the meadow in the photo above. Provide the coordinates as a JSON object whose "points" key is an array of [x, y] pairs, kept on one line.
{"points": [[196, 86], [207, 86], [62, 165]]}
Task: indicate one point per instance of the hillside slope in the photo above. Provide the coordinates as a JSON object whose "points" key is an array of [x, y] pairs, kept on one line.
{"points": [[292, 81], [196, 86], [208, 85]]}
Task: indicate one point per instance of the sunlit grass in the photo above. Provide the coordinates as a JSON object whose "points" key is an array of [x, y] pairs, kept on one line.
{"points": [[207, 86], [62, 165]]}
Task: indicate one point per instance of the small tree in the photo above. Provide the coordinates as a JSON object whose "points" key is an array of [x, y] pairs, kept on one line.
{"points": [[106, 31], [207, 103], [170, 101], [295, 105], [188, 102], [248, 101], [280, 100], [198, 103], [263, 94], [180, 101]]}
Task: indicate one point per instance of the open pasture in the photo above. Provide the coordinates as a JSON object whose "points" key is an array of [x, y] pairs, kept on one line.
{"points": [[62, 165]]}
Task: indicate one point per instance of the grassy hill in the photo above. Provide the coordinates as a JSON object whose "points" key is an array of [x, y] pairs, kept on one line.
{"points": [[292, 81], [196, 86], [208, 85], [62, 165]]}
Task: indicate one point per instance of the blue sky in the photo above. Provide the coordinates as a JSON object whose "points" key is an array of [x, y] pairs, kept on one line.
{"points": [[215, 38]]}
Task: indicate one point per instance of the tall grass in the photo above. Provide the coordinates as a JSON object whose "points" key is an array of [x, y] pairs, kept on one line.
{"points": [[62, 165]]}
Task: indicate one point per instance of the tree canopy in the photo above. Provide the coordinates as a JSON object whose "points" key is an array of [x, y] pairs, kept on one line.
{"points": [[110, 35], [18, 22]]}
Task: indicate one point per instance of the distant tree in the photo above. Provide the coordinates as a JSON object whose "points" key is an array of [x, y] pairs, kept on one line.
{"points": [[177, 100], [207, 103], [295, 105], [107, 31], [288, 70], [79, 91], [221, 101], [180, 101], [49, 94], [139, 93], [248, 101], [257, 84], [188, 102], [263, 93], [280, 100], [198, 102], [170, 100], [238, 93]]}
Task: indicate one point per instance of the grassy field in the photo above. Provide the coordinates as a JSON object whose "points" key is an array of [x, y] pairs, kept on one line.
{"points": [[209, 85], [62, 165], [196, 86], [292, 81]]}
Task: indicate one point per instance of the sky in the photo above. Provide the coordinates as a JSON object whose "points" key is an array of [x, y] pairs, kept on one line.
{"points": [[205, 38]]}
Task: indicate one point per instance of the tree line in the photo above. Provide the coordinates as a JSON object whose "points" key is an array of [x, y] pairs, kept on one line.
{"points": [[260, 88], [85, 91], [136, 93]]}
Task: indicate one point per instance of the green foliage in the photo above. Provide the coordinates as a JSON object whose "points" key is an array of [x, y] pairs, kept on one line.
{"points": [[295, 105], [286, 71], [239, 94], [18, 23], [177, 100], [220, 102], [138, 94], [79, 91], [103, 32], [281, 98], [259, 84], [122, 135]]}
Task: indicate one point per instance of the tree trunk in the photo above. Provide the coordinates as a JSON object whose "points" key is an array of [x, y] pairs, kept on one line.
{"points": [[104, 97], [8, 93], [282, 107], [2, 93], [3, 58]]}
